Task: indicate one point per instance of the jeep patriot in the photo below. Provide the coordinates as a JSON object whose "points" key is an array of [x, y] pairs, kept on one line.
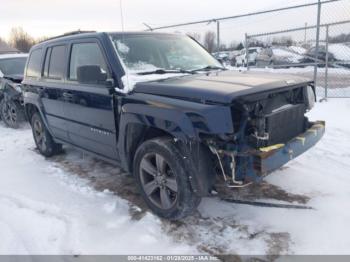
{"points": [[165, 110]]}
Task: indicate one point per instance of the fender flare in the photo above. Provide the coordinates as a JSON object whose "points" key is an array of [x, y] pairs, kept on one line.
{"points": [[33, 99]]}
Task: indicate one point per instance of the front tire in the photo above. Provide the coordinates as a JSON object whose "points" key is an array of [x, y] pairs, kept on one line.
{"points": [[11, 113], [43, 138], [163, 181]]}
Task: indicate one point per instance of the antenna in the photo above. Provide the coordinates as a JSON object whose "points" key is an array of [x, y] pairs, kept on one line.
{"points": [[123, 40], [121, 14]]}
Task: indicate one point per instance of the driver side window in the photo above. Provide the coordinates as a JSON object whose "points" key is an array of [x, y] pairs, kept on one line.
{"points": [[85, 54]]}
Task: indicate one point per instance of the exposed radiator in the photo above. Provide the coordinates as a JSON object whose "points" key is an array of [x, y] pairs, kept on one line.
{"points": [[286, 123]]}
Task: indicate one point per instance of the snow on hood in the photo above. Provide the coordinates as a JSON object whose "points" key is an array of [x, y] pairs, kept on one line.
{"points": [[131, 77], [297, 49], [284, 53]]}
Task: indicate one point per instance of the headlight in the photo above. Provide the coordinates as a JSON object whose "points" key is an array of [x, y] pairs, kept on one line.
{"points": [[309, 97]]}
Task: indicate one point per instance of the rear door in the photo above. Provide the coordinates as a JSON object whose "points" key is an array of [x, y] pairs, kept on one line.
{"points": [[89, 108], [54, 68], [38, 84]]}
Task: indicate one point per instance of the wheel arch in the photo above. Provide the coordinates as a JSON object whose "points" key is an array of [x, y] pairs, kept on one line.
{"points": [[29, 110], [196, 155]]}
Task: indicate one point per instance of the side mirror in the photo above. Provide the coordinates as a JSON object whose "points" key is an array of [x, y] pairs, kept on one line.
{"points": [[91, 74]]}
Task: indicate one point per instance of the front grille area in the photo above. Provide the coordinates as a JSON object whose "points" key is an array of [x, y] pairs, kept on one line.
{"points": [[284, 124]]}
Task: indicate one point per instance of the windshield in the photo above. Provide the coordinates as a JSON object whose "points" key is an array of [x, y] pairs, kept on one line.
{"points": [[251, 51], [13, 66], [146, 52]]}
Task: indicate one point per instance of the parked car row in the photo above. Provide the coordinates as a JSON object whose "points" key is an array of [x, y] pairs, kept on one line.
{"points": [[338, 54]]}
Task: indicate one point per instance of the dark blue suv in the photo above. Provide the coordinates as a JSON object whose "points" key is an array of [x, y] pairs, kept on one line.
{"points": [[164, 109]]}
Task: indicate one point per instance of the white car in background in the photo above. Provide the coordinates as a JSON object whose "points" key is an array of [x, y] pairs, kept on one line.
{"points": [[241, 60]]}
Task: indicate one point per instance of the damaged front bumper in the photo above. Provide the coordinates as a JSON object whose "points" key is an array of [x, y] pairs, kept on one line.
{"points": [[268, 159], [241, 168]]}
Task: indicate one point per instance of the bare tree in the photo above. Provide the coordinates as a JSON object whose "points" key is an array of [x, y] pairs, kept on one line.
{"points": [[240, 46], [2, 41], [20, 39], [196, 36], [233, 46], [209, 41], [340, 38], [41, 39], [283, 41], [223, 47]]}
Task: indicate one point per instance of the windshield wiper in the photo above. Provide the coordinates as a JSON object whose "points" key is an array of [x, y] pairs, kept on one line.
{"points": [[166, 71], [208, 68]]}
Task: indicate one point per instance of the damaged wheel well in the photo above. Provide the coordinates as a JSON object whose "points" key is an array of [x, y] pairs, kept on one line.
{"points": [[136, 135], [197, 156], [30, 109]]}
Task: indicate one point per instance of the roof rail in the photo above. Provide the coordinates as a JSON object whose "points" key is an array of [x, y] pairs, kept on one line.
{"points": [[68, 34]]}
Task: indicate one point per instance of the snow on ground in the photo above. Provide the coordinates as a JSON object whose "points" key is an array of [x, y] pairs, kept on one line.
{"points": [[323, 174], [74, 204], [45, 210]]}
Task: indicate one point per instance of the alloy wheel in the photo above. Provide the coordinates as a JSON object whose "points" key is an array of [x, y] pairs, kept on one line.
{"points": [[158, 181], [39, 134], [9, 113]]}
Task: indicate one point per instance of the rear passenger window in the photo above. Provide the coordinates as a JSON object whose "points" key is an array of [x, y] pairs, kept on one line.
{"points": [[85, 54], [34, 63], [55, 60]]}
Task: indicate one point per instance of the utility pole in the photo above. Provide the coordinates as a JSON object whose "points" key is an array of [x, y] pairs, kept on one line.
{"points": [[326, 66], [217, 35], [305, 34]]}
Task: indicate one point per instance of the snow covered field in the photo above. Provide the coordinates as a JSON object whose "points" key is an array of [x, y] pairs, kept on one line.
{"points": [[74, 204]]}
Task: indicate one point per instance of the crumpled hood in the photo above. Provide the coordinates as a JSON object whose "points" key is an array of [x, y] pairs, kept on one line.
{"points": [[14, 78], [219, 87]]}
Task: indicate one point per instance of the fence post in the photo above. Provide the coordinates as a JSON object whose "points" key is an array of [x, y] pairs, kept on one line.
{"points": [[246, 50], [326, 66], [218, 35], [317, 40]]}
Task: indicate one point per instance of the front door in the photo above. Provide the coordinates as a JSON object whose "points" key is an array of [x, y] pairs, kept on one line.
{"points": [[89, 108]]}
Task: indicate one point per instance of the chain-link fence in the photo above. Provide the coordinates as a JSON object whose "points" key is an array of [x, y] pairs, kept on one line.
{"points": [[294, 51], [315, 47]]}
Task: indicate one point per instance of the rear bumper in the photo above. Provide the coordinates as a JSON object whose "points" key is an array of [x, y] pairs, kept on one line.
{"points": [[267, 159]]}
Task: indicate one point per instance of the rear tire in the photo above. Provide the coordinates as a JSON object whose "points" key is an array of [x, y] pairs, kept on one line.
{"points": [[162, 179], [43, 138], [11, 113]]}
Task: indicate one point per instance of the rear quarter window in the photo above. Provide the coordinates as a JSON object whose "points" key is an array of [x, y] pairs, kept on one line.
{"points": [[34, 63]]}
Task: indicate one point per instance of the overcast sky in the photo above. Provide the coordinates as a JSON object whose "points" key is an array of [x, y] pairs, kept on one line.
{"points": [[52, 17]]}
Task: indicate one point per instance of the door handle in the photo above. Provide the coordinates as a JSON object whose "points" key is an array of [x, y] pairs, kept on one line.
{"points": [[68, 95]]}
